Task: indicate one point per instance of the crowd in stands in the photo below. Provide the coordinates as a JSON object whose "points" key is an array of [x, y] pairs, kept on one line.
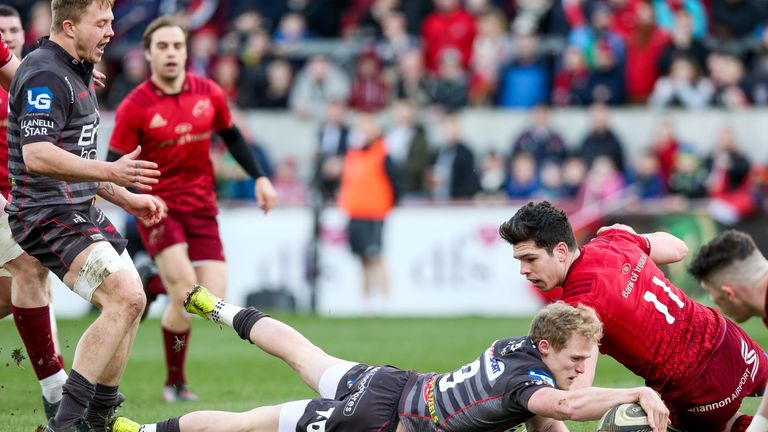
{"points": [[321, 59]]}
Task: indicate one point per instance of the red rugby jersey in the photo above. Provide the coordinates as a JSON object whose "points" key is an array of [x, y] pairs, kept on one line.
{"points": [[650, 326], [5, 185], [175, 131]]}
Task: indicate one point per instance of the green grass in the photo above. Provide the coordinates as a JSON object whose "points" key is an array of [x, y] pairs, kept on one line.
{"points": [[230, 374]]}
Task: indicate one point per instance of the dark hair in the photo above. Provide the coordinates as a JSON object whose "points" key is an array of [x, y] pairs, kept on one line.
{"points": [[9, 11], [72, 10], [541, 222], [157, 24], [721, 252]]}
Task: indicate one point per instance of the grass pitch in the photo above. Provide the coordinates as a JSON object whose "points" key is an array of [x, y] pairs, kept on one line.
{"points": [[230, 374]]}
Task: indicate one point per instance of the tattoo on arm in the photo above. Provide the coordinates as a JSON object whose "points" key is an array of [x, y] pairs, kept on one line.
{"points": [[108, 188]]}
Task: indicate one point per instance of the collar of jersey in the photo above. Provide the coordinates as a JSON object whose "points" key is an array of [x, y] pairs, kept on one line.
{"points": [[83, 69], [160, 92]]}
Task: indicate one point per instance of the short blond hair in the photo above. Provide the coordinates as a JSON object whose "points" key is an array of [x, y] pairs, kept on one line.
{"points": [[72, 10], [559, 321]]}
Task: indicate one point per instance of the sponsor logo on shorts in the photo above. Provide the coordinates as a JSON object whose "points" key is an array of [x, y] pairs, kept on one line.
{"points": [[319, 424], [540, 377], [39, 99], [352, 401], [494, 368], [751, 359]]}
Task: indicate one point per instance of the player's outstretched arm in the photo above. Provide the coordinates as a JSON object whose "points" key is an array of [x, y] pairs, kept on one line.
{"points": [[148, 209], [238, 147], [666, 248], [591, 403], [47, 159]]}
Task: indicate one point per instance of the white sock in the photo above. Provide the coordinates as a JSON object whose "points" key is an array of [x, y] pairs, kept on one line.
{"points": [[148, 428], [224, 313], [52, 386]]}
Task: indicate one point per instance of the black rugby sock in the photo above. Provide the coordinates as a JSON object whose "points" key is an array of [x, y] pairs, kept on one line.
{"points": [[170, 425], [245, 320], [102, 406], [77, 393]]}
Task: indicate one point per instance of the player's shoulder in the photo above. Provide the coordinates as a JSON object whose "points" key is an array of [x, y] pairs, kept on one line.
{"points": [[519, 359], [515, 346], [201, 85], [41, 64], [140, 97]]}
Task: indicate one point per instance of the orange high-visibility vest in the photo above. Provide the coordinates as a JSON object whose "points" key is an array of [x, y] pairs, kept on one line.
{"points": [[366, 191]]}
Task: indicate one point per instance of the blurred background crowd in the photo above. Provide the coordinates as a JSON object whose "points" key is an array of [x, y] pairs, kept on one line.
{"points": [[419, 63]]}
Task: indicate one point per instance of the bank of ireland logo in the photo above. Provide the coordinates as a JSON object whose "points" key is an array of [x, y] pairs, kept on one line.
{"points": [[39, 99]]}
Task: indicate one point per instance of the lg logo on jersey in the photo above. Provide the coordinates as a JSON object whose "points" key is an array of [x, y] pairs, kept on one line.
{"points": [[88, 139], [39, 99]]}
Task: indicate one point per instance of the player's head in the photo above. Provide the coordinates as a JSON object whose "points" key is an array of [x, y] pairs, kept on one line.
{"points": [[165, 48], [565, 336], [84, 26], [732, 270], [12, 29], [543, 241]]}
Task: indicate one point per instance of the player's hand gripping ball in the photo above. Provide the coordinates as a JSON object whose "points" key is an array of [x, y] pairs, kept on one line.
{"points": [[624, 418]]}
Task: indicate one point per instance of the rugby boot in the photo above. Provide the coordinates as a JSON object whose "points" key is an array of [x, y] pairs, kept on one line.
{"points": [[122, 424], [80, 426], [200, 302], [178, 392]]}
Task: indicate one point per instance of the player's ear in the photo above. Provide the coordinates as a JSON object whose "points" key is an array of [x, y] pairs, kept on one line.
{"points": [[68, 28], [561, 251], [728, 291], [544, 347], [147, 55]]}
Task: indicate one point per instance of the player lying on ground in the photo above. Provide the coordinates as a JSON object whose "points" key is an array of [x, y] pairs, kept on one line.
{"points": [[516, 380]]}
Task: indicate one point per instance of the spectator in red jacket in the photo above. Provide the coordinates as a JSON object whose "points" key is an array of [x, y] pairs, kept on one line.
{"points": [[448, 28], [644, 45], [370, 91]]}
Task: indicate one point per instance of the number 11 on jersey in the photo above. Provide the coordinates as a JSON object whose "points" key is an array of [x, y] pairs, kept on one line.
{"points": [[651, 298]]}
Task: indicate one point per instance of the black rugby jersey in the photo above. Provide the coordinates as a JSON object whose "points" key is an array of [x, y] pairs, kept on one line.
{"points": [[51, 99], [489, 394]]}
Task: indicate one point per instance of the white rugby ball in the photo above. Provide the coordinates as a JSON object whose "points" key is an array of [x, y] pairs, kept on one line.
{"points": [[624, 418]]}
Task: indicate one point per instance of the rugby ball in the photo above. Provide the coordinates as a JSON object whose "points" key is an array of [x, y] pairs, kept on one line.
{"points": [[624, 418]]}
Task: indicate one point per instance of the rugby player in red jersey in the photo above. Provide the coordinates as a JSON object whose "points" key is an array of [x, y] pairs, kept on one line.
{"points": [[734, 273], [702, 364], [173, 116]]}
